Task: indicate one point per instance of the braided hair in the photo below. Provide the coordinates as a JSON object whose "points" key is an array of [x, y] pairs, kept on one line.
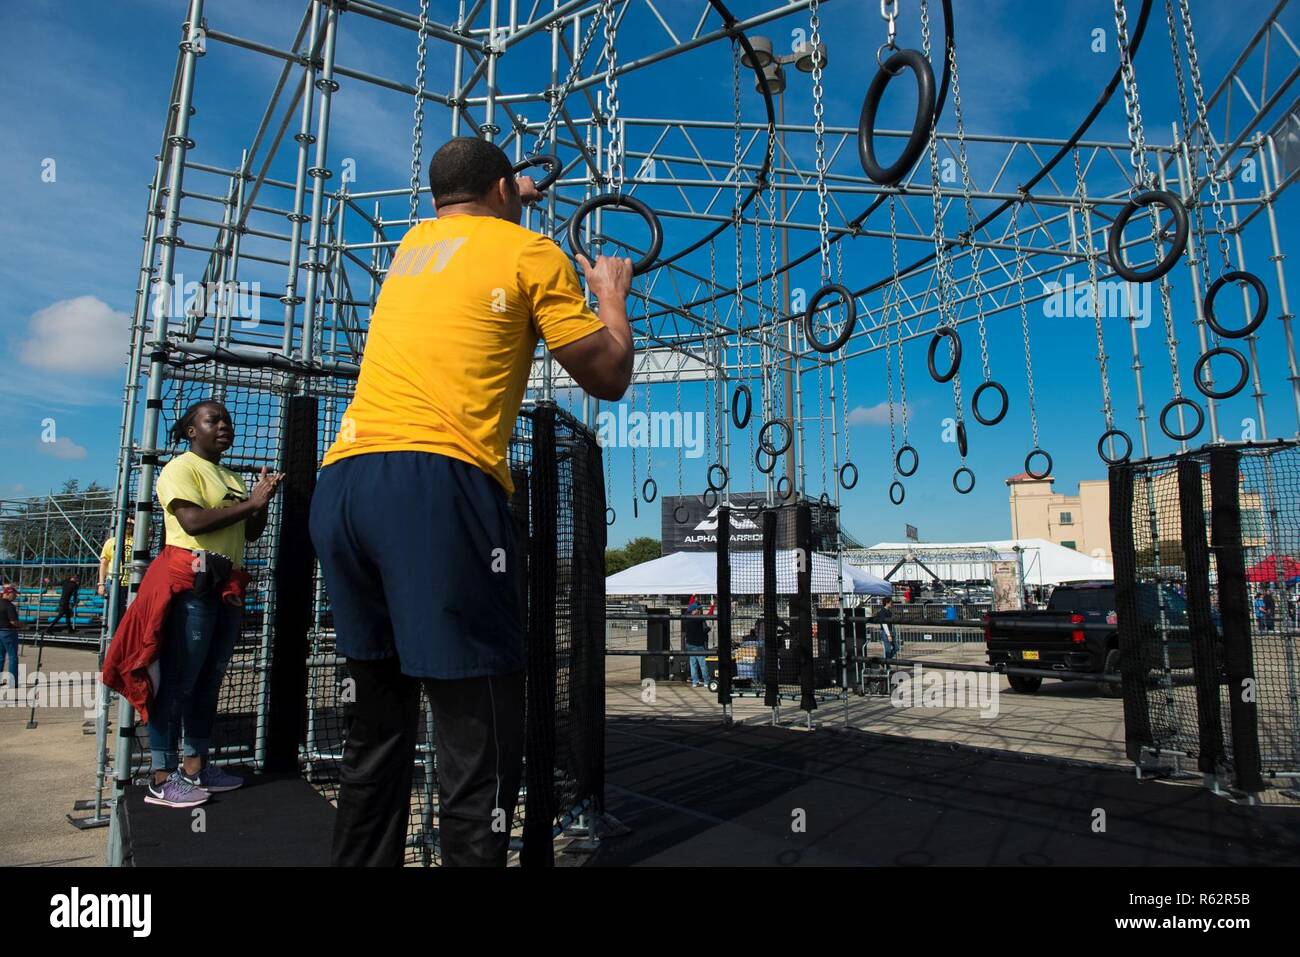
{"points": [[185, 421]]}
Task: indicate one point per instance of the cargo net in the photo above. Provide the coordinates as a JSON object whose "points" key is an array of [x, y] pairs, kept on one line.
{"points": [[1207, 568], [253, 398], [801, 596], [1270, 531], [559, 509]]}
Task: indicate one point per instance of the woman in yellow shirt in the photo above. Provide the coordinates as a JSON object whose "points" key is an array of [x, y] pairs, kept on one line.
{"points": [[207, 510]]}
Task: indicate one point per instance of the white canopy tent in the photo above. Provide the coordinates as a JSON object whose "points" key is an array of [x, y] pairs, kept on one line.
{"points": [[696, 573], [1045, 563]]}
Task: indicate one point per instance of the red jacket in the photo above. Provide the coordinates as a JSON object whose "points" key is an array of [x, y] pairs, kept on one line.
{"points": [[139, 637]]}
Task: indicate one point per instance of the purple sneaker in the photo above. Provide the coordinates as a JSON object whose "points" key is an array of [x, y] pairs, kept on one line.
{"points": [[214, 780], [176, 792]]}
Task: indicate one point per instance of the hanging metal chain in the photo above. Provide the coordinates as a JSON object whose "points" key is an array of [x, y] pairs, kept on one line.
{"points": [[677, 380], [967, 188], [898, 314], [889, 13], [844, 362], [1086, 209], [943, 263], [559, 97], [1132, 107], [1200, 263], [889, 389], [777, 380], [1203, 123], [715, 359], [417, 127], [819, 133], [615, 149], [1019, 280]]}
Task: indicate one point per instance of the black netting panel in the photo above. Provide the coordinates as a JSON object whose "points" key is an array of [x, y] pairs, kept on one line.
{"points": [[271, 410], [1207, 568], [255, 399]]}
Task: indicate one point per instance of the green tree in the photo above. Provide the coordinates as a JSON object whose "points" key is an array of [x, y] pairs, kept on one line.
{"points": [[635, 552]]}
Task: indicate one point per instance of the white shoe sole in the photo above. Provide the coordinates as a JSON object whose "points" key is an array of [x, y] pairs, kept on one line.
{"points": [[163, 802]]}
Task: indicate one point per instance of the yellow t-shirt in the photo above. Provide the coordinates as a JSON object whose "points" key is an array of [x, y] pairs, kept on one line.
{"points": [[192, 478], [451, 341], [106, 554]]}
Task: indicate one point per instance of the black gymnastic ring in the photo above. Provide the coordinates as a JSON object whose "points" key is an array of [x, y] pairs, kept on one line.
{"points": [[920, 136], [681, 508], [898, 461], [1236, 386], [846, 485], [1261, 303], [705, 498], [754, 506], [610, 515], [649, 496], [758, 461], [619, 201], [1028, 458], [969, 488], [1170, 202], [766, 445], [717, 487], [902, 492], [789, 488], [824, 500], [961, 438], [1118, 434], [549, 160], [1174, 403], [975, 403], [736, 419], [941, 333], [844, 334]]}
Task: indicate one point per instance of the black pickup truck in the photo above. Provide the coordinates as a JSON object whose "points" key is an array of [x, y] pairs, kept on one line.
{"points": [[1078, 633]]}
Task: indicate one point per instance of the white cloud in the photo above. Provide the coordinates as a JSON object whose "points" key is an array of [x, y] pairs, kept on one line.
{"points": [[62, 448], [82, 335], [877, 414]]}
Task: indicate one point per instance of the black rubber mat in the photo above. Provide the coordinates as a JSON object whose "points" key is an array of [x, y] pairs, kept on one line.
{"points": [[698, 793], [272, 820]]}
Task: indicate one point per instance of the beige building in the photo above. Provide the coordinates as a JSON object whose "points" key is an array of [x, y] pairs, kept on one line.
{"points": [[1081, 522]]}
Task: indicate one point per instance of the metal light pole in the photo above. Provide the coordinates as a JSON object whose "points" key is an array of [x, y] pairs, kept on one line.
{"points": [[773, 65]]}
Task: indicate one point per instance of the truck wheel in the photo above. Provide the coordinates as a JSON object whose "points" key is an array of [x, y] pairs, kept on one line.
{"points": [[1108, 688], [1024, 684]]}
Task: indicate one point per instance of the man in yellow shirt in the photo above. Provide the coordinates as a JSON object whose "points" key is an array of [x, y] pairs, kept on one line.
{"points": [[106, 557], [411, 519]]}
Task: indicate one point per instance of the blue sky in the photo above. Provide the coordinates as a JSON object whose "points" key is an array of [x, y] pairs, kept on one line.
{"points": [[87, 86]]}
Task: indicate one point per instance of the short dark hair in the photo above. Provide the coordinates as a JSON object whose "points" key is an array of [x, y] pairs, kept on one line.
{"points": [[465, 168]]}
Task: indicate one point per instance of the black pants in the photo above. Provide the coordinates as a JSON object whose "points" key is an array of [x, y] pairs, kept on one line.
{"points": [[479, 735], [65, 611]]}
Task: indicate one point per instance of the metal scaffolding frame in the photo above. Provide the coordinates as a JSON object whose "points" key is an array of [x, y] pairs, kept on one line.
{"points": [[526, 75]]}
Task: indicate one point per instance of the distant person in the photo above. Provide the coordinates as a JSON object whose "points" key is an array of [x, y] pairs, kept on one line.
{"points": [[1259, 610], [9, 633], [68, 597], [696, 633], [885, 618], [1270, 609], [105, 558]]}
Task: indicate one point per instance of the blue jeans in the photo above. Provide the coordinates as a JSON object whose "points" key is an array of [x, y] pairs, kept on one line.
{"points": [[199, 638], [891, 649], [699, 664], [9, 649]]}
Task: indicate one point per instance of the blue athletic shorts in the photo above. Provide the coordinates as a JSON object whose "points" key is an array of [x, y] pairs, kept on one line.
{"points": [[421, 560]]}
